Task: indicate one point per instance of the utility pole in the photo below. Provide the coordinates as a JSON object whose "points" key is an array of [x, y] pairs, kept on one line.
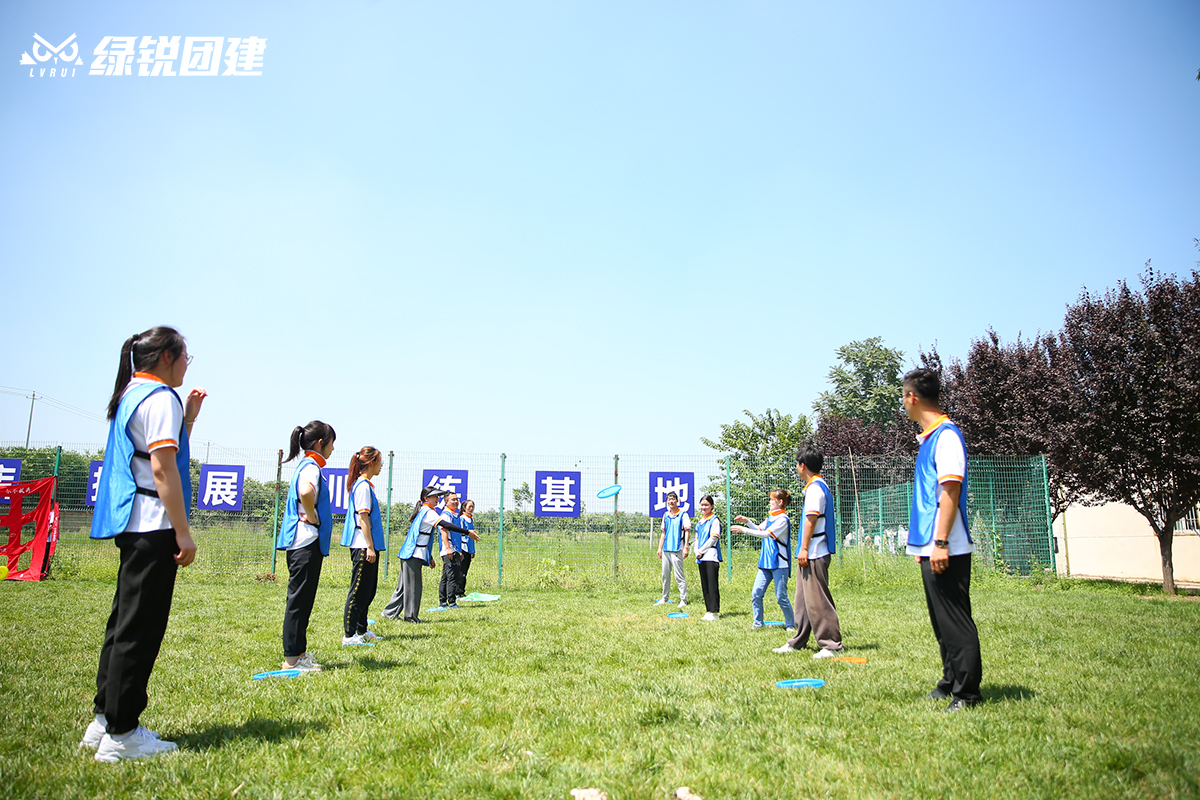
{"points": [[29, 429]]}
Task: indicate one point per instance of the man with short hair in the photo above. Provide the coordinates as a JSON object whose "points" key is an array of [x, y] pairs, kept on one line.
{"points": [[939, 538]]}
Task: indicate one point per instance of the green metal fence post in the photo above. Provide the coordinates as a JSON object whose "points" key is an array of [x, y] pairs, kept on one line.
{"points": [[500, 546], [275, 524], [840, 535], [57, 461], [728, 533], [387, 525], [616, 512], [1049, 513]]}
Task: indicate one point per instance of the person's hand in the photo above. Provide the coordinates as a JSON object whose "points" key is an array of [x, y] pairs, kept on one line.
{"points": [[802, 559], [187, 548], [371, 555], [740, 518], [659, 553], [940, 559], [191, 408], [305, 519]]}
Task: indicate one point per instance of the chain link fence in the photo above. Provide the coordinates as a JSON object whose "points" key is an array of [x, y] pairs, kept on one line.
{"points": [[600, 542]]}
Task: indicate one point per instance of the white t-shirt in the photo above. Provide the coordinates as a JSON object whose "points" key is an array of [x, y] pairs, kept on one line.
{"points": [[362, 502], [950, 458], [306, 534], [153, 426], [713, 530], [814, 505]]}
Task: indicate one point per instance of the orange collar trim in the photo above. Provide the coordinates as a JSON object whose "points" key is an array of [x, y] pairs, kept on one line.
{"points": [[468, 516], [813, 478], [777, 513], [315, 456], [933, 427], [429, 505], [149, 377], [707, 517]]}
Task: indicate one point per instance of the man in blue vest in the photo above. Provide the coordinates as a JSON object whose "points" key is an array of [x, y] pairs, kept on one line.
{"points": [[940, 539]]}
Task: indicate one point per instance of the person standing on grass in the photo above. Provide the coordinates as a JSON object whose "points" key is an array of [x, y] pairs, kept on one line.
{"points": [[774, 557], [364, 535], [673, 549], [818, 542], [708, 558], [304, 532], [940, 540], [142, 502], [451, 554], [467, 520], [415, 553]]}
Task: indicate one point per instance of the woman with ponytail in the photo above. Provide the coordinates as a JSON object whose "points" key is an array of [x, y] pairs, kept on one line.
{"points": [[774, 558], [365, 537], [304, 533], [142, 503], [417, 552]]}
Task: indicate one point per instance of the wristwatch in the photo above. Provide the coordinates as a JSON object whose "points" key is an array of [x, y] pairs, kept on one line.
{"points": [[941, 542]]}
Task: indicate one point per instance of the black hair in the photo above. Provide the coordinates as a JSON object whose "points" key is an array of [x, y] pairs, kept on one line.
{"points": [[708, 497], [810, 457], [425, 492], [306, 437], [672, 494], [140, 353], [924, 383]]}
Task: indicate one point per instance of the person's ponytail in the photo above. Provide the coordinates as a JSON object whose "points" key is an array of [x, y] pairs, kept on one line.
{"points": [[124, 374], [294, 449]]}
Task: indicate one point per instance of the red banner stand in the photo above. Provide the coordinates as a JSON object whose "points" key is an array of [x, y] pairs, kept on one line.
{"points": [[44, 517]]}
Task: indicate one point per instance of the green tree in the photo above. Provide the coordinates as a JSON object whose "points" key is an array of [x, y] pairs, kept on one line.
{"points": [[762, 456], [866, 383]]}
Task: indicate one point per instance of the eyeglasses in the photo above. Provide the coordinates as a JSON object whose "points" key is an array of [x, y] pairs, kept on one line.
{"points": [[189, 360]]}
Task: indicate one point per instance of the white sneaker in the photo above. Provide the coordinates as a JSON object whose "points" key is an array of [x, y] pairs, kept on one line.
{"points": [[823, 653], [304, 663], [709, 617], [787, 648], [683, 603], [137, 744], [95, 732], [662, 601], [351, 641], [370, 637], [790, 629]]}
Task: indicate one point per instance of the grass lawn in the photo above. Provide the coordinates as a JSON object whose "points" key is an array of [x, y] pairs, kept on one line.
{"points": [[1091, 691]]}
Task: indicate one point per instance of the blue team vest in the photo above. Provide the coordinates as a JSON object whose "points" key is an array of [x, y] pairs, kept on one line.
{"points": [[468, 542], [455, 536], [923, 513], [291, 511], [830, 516], [114, 495], [771, 549], [416, 538], [378, 540], [702, 535], [673, 527]]}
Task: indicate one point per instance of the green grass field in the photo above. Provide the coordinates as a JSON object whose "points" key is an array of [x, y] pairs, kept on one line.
{"points": [[1092, 691]]}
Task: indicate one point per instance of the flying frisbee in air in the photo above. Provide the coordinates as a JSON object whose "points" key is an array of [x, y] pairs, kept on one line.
{"points": [[609, 492], [801, 683]]}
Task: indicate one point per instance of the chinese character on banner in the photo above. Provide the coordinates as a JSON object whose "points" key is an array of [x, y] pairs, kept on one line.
{"points": [[10, 472], [201, 55], [156, 57], [663, 483], [448, 480], [339, 492], [93, 484], [556, 494], [244, 56], [114, 56], [220, 487]]}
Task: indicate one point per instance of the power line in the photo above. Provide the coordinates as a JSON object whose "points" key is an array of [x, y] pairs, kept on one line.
{"points": [[53, 402]]}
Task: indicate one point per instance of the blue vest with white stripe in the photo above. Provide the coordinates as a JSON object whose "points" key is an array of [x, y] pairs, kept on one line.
{"points": [[114, 495], [673, 532], [291, 510], [469, 524], [830, 516], [772, 550], [378, 540], [417, 538], [922, 515], [702, 535]]}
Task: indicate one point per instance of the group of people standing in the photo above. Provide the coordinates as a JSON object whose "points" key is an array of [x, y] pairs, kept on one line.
{"points": [[144, 496]]}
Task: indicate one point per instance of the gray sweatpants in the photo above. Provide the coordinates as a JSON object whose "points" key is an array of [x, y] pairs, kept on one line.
{"points": [[671, 562], [395, 607], [815, 613], [406, 600]]}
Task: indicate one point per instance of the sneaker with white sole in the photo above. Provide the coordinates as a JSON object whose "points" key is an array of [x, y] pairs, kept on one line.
{"points": [[304, 663], [137, 744], [823, 653], [662, 601], [709, 617], [370, 637], [786, 648], [353, 641], [683, 603], [95, 732]]}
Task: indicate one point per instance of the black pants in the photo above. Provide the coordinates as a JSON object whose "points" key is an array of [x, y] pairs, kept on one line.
{"points": [[304, 571], [948, 597], [448, 586], [467, 558], [710, 586], [134, 634], [364, 581]]}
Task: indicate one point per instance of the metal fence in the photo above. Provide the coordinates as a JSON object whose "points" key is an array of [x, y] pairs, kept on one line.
{"points": [[611, 540]]}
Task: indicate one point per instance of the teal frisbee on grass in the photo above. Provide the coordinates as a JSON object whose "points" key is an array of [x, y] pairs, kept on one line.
{"points": [[773, 624], [609, 492], [677, 615], [278, 673], [800, 683]]}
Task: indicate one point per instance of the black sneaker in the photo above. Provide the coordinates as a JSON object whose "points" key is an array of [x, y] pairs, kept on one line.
{"points": [[937, 694], [958, 704]]}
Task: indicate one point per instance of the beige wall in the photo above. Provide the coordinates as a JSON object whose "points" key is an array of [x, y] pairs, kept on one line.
{"points": [[1114, 541]]}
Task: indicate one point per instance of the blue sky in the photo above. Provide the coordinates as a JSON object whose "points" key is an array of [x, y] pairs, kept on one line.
{"points": [[575, 228]]}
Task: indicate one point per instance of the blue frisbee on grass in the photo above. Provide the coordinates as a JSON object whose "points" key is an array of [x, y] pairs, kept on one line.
{"points": [[774, 624], [279, 673], [609, 492], [677, 615], [800, 683], [435, 608], [370, 622]]}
